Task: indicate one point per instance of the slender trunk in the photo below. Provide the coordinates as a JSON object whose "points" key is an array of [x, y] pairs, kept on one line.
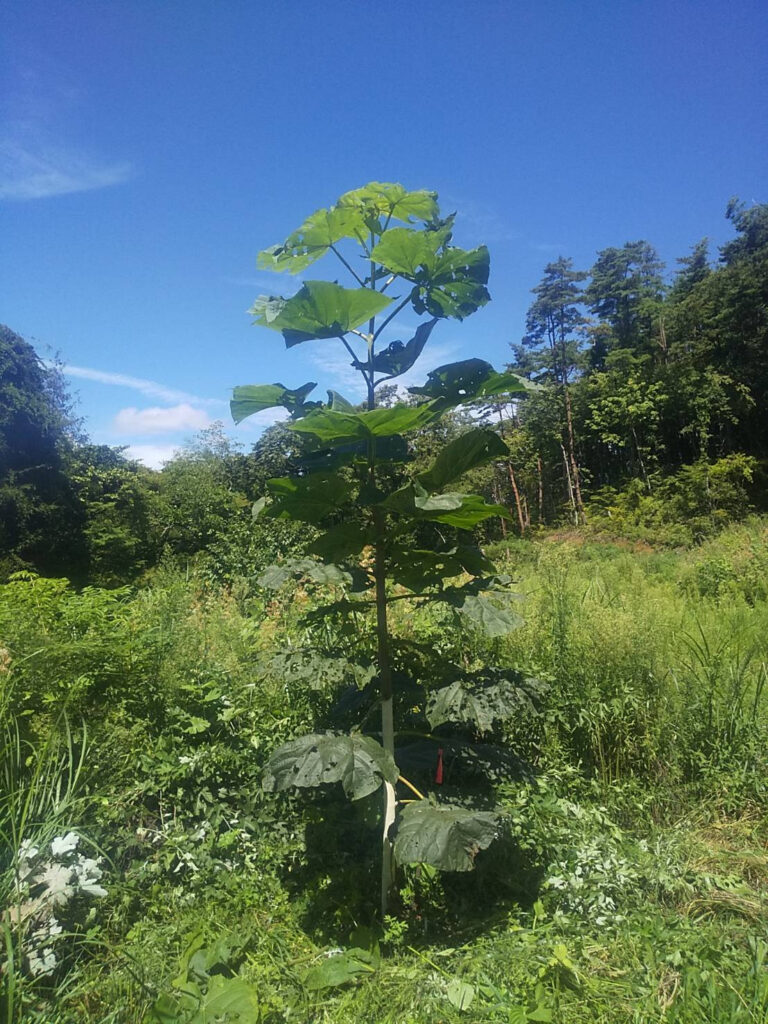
{"points": [[513, 484], [526, 512], [640, 459], [540, 476], [385, 673], [580, 516], [569, 484], [497, 499]]}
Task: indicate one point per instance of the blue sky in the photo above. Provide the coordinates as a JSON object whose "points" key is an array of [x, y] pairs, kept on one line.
{"points": [[149, 150]]}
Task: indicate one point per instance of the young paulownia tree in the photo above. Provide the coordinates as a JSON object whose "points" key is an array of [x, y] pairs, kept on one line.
{"points": [[397, 252]]}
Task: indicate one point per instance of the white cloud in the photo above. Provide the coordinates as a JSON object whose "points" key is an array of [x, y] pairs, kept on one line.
{"points": [[157, 420], [152, 455], [37, 169], [150, 388]]}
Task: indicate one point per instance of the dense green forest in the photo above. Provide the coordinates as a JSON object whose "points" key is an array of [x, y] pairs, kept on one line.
{"points": [[598, 726]]}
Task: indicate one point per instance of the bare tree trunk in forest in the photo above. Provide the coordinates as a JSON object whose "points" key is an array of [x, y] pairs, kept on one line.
{"points": [[497, 499], [578, 503], [526, 513], [541, 489], [571, 497], [513, 484]]}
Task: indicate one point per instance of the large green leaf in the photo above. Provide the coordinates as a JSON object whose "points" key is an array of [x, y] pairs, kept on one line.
{"points": [[444, 836], [462, 454], [419, 570], [397, 357], [389, 199], [342, 541], [252, 398], [388, 449], [320, 309], [274, 576], [220, 999], [453, 283], [484, 699], [464, 511], [488, 616], [312, 240], [333, 428], [405, 251], [308, 499], [340, 968], [468, 380], [358, 762]]}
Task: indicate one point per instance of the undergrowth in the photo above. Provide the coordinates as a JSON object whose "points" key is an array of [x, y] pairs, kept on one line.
{"points": [[629, 884]]}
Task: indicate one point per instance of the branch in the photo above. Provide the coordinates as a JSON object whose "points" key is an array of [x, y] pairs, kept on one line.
{"points": [[358, 279], [392, 315]]}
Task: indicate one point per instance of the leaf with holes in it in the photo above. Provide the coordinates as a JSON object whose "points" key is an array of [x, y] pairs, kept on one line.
{"points": [[358, 762], [320, 309], [453, 284], [484, 700], [468, 380], [482, 611], [442, 835]]}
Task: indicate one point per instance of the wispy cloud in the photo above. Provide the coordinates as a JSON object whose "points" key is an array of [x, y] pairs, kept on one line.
{"points": [[478, 222], [152, 455], [157, 420], [150, 388], [37, 169]]}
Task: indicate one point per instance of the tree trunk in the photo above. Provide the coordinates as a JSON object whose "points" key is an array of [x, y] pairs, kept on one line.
{"points": [[540, 476], [578, 503], [385, 676], [519, 507], [569, 485]]}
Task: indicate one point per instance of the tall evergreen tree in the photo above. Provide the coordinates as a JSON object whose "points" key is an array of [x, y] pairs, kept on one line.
{"points": [[625, 291], [553, 352]]}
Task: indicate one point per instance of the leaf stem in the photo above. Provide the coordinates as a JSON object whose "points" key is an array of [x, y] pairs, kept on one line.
{"points": [[349, 268], [405, 782], [392, 315]]}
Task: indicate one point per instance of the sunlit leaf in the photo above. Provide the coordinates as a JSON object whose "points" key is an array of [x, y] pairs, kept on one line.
{"points": [[312, 240], [471, 449], [331, 428], [460, 994], [320, 309], [339, 969], [358, 762], [252, 398], [385, 199], [488, 616], [442, 835], [338, 403], [404, 251]]}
